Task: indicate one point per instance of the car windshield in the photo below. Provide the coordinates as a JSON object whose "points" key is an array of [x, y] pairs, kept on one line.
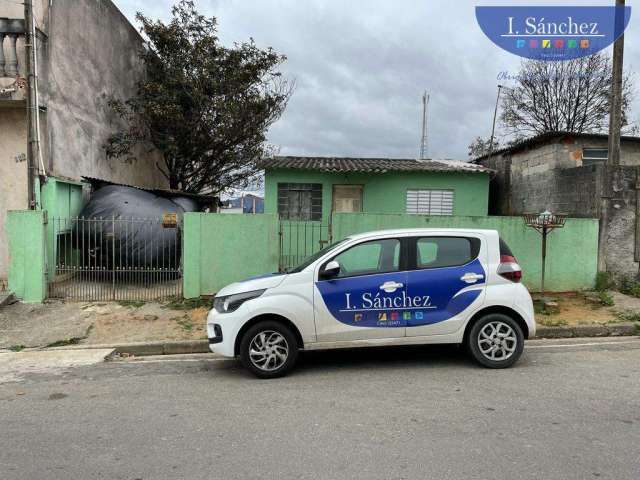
{"points": [[309, 260]]}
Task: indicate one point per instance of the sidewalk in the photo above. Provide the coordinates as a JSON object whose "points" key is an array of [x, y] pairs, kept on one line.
{"points": [[57, 323], [179, 327]]}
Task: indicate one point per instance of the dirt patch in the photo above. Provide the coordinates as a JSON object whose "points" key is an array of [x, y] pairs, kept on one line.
{"points": [[150, 322], [577, 309], [58, 323]]}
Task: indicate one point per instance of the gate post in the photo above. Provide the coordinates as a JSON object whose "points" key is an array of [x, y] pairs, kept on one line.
{"points": [[27, 254], [113, 257]]}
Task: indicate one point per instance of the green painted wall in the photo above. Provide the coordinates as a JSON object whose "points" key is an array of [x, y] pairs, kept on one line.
{"points": [[62, 199], [386, 192], [220, 249], [25, 231], [572, 252]]}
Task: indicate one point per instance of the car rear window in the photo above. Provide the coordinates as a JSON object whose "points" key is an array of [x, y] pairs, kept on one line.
{"points": [[504, 249], [438, 252]]}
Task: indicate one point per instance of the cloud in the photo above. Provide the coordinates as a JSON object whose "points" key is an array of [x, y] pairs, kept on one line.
{"points": [[361, 67]]}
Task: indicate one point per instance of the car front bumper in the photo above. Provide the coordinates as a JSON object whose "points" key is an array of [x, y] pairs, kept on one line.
{"points": [[222, 330]]}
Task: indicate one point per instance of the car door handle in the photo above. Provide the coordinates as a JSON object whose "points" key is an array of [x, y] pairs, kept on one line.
{"points": [[471, 277], [391, 287]]}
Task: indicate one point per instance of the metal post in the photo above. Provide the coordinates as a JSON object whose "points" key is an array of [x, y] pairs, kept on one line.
{"points": [[113, 257], [493, 126], [544, 258], [31, 105]]}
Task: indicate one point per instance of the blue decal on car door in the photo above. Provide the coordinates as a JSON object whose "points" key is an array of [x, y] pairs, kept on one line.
{"points": [[367, 301], [450, 290], [399, 299]]}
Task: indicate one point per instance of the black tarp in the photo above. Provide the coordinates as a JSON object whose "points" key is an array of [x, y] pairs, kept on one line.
{"points": [[122, 228]]}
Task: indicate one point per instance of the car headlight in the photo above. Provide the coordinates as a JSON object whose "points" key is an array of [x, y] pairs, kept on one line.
{"points": [[230, 303]]}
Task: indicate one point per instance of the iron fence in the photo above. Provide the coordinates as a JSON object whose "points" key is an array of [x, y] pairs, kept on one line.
{"points": [[299, 239], [136, 259]]}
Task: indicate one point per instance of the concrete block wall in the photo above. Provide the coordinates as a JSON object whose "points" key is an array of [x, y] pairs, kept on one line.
{"points": [[621, 258]]}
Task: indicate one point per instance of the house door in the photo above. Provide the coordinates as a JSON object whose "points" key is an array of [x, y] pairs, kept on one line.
{"points": [[347, 198]]}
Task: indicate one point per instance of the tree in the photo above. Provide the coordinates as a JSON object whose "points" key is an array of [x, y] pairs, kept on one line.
{"points": [[570, 96], [204, 106], [480, 147]]}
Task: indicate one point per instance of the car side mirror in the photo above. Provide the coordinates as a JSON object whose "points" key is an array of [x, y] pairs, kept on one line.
{"points": [[330, 270]]}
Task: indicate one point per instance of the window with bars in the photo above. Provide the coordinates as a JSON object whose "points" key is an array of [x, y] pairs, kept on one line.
{"points": [[430, 202], [300, 201]]}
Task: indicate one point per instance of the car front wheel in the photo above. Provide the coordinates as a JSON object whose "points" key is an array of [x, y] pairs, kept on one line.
{"points": [[269, 349], [495, 341]]}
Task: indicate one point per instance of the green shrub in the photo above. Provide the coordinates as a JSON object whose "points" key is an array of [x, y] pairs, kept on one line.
{"points": [[635, 290], [604, 281], [625, 284], [605, 299]]}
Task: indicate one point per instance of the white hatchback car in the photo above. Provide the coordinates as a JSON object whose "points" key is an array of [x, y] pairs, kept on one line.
{"points": [[391, 287]]}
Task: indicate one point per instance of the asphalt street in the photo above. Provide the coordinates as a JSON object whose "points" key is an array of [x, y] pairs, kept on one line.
{"points": [[567, 410]]}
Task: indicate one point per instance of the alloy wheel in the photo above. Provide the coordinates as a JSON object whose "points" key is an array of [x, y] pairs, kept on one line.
{"points": [[268, 350], [497, 341]]}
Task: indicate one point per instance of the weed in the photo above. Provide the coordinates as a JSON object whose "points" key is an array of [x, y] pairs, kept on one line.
{"points": [[184, 322], [65, 342], [552, 322], [538, 308], [635, 290], [625, 284], [130, 303], [17, 348], [604, 281], [177, 303], [605, 299], [629, 316]]}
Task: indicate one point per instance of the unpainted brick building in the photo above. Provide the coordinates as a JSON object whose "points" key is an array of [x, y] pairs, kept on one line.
{"points": [[563, 173]]}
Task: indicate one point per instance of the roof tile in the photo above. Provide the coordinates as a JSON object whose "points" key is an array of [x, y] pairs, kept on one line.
{"points": [[369, 165]]}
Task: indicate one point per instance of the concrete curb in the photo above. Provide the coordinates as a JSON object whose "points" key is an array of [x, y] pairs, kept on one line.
{"points": [[177, 347], [611, 330], [163, 348]]}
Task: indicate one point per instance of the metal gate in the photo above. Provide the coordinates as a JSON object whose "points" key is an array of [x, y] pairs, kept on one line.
{"points": [[136, 259], [300, 239]]}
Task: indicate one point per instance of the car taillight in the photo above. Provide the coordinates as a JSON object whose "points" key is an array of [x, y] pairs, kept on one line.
{"points": [[509, 268]]}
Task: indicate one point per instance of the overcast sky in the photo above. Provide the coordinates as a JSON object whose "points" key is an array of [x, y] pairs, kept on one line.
{"points": [[361, 68]]}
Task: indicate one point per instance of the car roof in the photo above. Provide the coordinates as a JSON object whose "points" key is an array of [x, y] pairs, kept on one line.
{"points": [[421, 231]]}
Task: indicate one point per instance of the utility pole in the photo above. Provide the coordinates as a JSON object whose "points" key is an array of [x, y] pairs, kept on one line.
{"points": [[423, 139], [615, 125], [32, 131]]}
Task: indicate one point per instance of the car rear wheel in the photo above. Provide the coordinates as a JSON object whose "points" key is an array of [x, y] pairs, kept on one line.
{"points": [[495, 341], [269, 349]]}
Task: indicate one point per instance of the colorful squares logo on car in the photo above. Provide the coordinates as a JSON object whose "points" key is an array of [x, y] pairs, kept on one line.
{"points": [[533, 43], [406, 315], [520, 43], [394, 316], [419, 316], [546, 43], [584, 43], [559, 43], [382, 317], [357, 317], [573, 43]]}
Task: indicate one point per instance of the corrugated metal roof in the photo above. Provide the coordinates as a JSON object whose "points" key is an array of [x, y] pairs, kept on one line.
{"points": [[164, 192], [369, 165]]}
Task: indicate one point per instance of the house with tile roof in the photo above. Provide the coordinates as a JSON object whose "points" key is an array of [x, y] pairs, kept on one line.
{"points": [[312, 188]]}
